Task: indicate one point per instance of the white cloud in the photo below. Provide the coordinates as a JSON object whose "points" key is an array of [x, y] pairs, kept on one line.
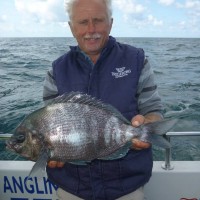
{"points": [[3, 18], [192, 8], [42, 10], [132, 11], [189, 4], [153, 20], [166, 2], [136, 14], [192, 4], [129, 6]]}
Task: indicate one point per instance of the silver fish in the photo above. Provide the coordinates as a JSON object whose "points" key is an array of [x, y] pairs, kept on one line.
{"points": [[78, 128]]}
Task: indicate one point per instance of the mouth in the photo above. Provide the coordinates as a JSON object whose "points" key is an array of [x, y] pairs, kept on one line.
{"points": [[8, 145], [13, 147], [91, 40], [10, 148], [93, 37]]}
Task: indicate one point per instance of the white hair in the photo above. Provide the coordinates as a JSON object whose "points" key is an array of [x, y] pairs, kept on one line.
{"points": [[69, 4]]}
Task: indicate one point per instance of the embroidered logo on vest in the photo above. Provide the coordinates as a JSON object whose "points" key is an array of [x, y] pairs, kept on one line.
{"points": [[121, 72]]}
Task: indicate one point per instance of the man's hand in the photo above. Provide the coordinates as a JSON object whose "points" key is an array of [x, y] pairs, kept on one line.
{"points": [[54, 164], [139, 120]]}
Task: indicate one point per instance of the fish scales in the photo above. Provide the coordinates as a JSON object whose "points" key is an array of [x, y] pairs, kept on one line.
{"points": [[92, 136], [75, 132]]}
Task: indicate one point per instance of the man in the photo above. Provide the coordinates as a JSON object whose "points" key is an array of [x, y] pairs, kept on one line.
{"points": [[119, 75]]}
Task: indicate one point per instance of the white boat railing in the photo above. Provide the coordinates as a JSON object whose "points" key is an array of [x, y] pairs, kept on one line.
{"points": [[167, 165], [5, 135]]}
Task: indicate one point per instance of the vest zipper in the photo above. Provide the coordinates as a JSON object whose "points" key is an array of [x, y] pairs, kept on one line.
{"points": [[89, 83]]}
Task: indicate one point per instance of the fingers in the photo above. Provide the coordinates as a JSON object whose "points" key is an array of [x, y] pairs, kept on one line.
{"points": [[54, 164], [139, 145], [138, 120]]}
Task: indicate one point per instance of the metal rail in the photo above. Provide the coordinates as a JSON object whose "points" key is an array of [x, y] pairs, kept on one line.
{"points": [[5, 135], [167, 165]]}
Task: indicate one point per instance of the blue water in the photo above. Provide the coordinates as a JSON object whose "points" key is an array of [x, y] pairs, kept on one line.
{"points": [[176, 63]]}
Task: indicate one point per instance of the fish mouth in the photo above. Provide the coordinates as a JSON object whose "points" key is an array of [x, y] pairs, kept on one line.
{"points": [[16, 148], [13, 147], [9, 145]]}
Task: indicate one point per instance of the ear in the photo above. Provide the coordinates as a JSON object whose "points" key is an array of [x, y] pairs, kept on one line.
{"points": [[111, 23], [69, 23]]}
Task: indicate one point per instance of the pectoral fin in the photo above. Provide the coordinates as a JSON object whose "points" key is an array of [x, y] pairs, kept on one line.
{"points": [[39, 168]]}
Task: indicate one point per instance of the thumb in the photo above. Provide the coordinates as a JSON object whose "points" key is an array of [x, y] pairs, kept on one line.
{"points": [[138, 120]]}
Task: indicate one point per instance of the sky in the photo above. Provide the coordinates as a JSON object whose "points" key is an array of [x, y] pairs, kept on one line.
{"points": [[132, 18]]}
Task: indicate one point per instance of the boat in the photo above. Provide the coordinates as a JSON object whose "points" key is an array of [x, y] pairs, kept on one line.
{"points": [[171, 180]]}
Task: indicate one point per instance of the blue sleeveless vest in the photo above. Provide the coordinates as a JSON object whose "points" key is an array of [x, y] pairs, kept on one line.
{"points": [[114, 80]]}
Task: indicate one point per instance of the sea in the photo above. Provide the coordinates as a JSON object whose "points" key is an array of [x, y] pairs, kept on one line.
{"points": [[175, 61]]}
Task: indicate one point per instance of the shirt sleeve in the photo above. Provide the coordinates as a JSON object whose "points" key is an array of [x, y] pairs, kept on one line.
{"points": [[149, 100], [50, 90]]}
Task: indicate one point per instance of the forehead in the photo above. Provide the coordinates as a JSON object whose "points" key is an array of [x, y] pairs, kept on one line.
{"points": [[89, 8]]}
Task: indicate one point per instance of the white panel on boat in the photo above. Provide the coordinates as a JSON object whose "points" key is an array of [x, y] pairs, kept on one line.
{"points": [[13, 185], [181, 182]]}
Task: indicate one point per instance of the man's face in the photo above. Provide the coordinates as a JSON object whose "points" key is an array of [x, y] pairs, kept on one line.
{"points": [[90, 25]]}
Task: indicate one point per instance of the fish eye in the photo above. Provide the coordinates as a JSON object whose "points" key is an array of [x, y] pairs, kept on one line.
{"points": [[20, 138]]}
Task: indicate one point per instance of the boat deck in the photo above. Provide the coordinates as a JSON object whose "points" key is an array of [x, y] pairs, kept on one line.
{"points": [[181, 182]]}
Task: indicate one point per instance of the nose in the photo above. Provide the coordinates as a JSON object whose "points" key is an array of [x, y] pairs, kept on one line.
{"points": [[91, 27]]}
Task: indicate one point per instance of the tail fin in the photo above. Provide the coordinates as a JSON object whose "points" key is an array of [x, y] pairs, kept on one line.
{"points": [[158, 129], [161, 127]]}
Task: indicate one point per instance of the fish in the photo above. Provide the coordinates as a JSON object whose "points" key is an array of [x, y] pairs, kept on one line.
{"points": [[78, 128]]}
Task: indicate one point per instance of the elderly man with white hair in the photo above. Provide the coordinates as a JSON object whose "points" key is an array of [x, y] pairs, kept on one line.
{"points": [[118, 74]]}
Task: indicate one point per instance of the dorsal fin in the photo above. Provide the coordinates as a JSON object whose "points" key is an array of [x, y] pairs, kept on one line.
{"points": [[80, 98]]}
